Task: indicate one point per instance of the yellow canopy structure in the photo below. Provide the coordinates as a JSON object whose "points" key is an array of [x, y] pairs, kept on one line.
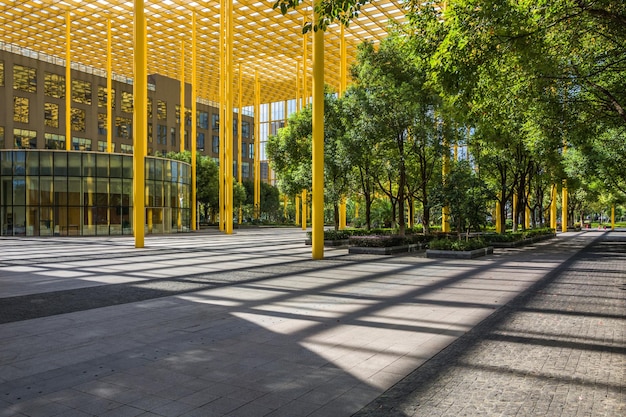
{"points": [[264, 41]]}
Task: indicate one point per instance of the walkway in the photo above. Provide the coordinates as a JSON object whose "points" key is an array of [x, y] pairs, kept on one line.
{"points": [[248, 325]]}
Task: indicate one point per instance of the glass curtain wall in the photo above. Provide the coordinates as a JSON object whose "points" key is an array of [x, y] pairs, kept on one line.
{"points": [[58, 193]]}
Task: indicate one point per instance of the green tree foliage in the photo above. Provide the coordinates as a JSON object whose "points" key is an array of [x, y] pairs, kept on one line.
{"points": [[290, 153]]}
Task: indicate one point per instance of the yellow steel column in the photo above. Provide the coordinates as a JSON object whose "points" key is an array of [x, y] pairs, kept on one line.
{"points": [[613, 216], [498, 218], [564, 203], [109, 103], [140, 107], [228, 135], [257, 146], [68, 82], [553, 208], [445, 211], [298, 98], [221, 117], [356, 210], [240, 140], [343, 217], [194, 122], [527, 211], [305, 59], [515, 212], [297, 210], [317, 206], [182, 95], [305, 204]]}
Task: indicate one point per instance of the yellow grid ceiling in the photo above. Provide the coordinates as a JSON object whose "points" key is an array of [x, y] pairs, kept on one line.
{"points": [[263, 39]]}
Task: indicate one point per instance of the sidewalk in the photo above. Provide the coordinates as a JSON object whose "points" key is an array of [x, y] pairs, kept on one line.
{"points": [[248, 325]]}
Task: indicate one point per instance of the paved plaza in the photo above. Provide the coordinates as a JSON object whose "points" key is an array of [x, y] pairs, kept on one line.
{"points": [[205, 324]]}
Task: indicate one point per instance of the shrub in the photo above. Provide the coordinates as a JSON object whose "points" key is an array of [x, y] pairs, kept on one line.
{"points": [[457, 245]]}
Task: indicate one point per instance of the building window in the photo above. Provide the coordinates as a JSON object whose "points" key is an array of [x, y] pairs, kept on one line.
{"points": [[149, 130], [81, 91], [102, 124], [24, 79], [123, 127], [51, 114], [244, 150], [54, 85], [245, 129], [187, 116], [215, 121], [20, 109], [216, 144], [81, 144], [54, 141], [173, 136], [102, 97], [161, 110], [127, 102], [102, 146], [203, 119], [251, 151], [1, 73], [161, 135], [78, 120], [200, 141], [124, 148], [245, 169], [25, 139]]}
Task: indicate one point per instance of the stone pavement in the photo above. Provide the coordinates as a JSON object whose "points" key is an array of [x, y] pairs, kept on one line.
{"points": [[207, 325]]}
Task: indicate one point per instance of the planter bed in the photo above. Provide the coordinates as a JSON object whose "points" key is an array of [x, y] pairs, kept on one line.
{"points": [[385, 250], [522, 242], [459, 254]]}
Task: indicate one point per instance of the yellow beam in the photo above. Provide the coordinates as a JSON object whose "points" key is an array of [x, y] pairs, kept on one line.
{"points": [[297, 204], [317, 218], [68, 81], [194, 122], [140, 86]]}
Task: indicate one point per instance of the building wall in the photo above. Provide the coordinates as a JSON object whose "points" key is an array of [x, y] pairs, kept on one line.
{"points": [[161, 90]]}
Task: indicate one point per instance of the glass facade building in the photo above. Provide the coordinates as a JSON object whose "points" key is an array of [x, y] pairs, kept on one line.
{"points": [[78, 193]]}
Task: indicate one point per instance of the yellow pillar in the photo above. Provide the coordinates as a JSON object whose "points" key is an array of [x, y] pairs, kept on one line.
{"points": [[356, 210], [304, 208], [515, 212], [109, 103], [140, 107], [613, 217], [297, 210], [553, 208], [342, 214], [285, 201], [222, 71], [317, 217], [445, 211], [564, 203], [194, 122], [68, 82], [182, 95], [527, 212], [257, 146], [240, 140], [228, 158], [498, 218], [298, 98], [305, 61]]}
